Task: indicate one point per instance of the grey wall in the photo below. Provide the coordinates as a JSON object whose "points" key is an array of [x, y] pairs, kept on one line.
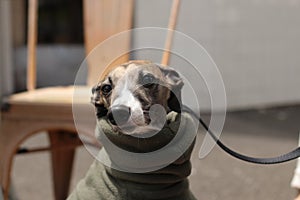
{"points": [[6, 66], [255, 44], [56, 65]]}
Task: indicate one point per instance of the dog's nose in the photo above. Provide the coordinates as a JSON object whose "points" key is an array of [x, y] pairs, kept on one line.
{"points": [[118, 115]]}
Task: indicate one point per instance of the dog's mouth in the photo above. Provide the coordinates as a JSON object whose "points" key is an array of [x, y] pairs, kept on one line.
{"points": [[134, 126], [138, 131]]}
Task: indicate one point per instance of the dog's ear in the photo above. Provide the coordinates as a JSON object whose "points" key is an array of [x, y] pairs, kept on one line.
{"points": [[175, 83], [98, 102]]}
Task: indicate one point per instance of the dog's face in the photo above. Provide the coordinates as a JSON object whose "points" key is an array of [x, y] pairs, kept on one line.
{"points": [[127, 93]]}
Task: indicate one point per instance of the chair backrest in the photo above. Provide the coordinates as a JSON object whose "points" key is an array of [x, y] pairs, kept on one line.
{"points": [[108, 17], [32, 40], [102, 19]]}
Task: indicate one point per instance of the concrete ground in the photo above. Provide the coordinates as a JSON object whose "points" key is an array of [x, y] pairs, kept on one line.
{"points": [[263, 132]]}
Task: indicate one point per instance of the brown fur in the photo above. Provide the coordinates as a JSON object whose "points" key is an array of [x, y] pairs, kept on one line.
{"points": [[167, 80]]}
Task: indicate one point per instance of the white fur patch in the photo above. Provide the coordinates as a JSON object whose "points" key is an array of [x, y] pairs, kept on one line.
{"points": [[126, 98]]}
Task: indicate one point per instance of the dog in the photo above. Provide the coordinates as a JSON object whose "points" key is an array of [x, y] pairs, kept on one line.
{"points": [[138, 107], [129, 91]]}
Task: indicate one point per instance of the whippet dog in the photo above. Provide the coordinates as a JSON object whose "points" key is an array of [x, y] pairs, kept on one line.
{"points": [[123, 100]]}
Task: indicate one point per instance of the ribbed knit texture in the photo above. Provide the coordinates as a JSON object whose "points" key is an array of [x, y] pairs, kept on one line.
{"points": [[168, 183]]}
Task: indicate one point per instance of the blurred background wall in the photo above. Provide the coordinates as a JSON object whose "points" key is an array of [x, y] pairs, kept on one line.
{"points": [[6, 61], [255, 44]]}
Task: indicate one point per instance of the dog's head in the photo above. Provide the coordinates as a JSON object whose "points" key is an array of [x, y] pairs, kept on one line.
{"points": [[126, 94]]}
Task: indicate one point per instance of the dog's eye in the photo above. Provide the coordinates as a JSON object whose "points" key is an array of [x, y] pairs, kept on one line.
{"points": [[148, 80], [106, 89]]}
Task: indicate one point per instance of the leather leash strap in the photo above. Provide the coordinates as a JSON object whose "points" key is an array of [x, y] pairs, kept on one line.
{"points": [[274, 160]]}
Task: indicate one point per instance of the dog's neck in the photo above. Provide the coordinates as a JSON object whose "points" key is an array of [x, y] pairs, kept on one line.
{"points": [[173, 173], [173, 177]]}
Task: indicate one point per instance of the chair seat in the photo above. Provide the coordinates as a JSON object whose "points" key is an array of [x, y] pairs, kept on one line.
{"points": [[52, 103], [53, 107], [53, 95]]}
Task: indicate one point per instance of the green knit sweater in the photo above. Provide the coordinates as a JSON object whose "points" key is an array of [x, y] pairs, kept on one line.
{"points": [[169, 182]]}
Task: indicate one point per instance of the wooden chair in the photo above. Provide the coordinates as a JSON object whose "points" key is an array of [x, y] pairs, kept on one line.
{"points": [[50, 109]]}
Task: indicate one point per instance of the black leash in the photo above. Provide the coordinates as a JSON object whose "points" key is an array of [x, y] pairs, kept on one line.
{"points": [[275, 160]]}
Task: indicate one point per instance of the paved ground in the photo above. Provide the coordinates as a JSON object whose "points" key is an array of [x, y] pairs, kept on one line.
{"points": [[217, 176]]}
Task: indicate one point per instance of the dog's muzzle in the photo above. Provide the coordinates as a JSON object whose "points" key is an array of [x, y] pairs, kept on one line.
{"points": [[118, 115]]}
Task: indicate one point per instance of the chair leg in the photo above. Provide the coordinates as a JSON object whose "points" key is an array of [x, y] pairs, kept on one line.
{"points": [[11, 134], [6, 158], [62, 161]]}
